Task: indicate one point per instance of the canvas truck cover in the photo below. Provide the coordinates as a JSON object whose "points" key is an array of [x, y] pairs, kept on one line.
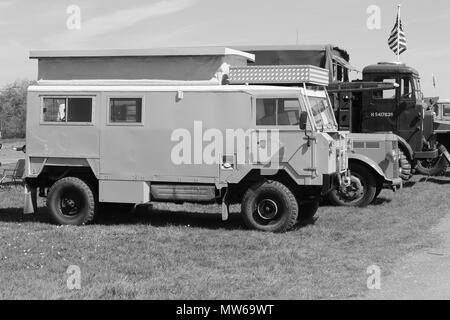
{"points": [[323, 56], [196, 63]]}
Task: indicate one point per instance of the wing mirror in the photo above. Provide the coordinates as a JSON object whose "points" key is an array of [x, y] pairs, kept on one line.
{"points": [[303, 120]]}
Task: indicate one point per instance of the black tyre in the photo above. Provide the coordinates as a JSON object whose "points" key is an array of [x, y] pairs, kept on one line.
{"points": [[269, 206], [359, 193], [404, 166], [71, 201], [433, 167], [308, 210]]}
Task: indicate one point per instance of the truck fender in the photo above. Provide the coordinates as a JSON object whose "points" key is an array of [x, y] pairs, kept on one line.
{"points": [[368, 162], [406, 148]]}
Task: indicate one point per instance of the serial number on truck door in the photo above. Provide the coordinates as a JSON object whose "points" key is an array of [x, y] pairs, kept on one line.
{"points": [[381, 114]]}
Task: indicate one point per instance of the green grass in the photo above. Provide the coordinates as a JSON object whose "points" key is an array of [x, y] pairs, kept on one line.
{"points": [[186, 252]]}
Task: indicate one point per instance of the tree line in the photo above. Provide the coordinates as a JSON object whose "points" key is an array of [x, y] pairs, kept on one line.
{"points": [[13, 105]]}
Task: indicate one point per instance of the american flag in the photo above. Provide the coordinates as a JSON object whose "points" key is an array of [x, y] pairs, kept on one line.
{"points": [[397, 39]]}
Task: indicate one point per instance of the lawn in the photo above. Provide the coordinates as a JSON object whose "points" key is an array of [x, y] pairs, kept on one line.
{"points": [[186, 252]]}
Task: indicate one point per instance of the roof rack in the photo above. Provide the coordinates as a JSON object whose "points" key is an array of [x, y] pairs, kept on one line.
{"points": [[278, 74]]}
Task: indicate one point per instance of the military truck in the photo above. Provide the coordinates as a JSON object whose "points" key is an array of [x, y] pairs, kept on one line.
{"points": [[371, 105], [371, 154], [96, 142]]}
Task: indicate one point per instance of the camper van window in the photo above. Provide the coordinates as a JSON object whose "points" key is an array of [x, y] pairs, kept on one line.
{"points": [[125, 110], [67, 110], [281, 112]]}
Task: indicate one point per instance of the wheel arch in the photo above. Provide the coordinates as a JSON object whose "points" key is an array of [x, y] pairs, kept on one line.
{"points": [[371, 165], [406, 148]]}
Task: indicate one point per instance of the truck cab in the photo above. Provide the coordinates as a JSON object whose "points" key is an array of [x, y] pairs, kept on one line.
{"points": [[401, 110]]}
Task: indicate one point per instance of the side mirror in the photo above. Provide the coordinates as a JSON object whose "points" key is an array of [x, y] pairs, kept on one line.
{"points": [[303, 120], [1, 145]]}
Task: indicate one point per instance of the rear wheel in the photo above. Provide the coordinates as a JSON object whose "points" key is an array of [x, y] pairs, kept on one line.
{"points": [[361, 191], [269, 206], [433, 167], [71, 201]]}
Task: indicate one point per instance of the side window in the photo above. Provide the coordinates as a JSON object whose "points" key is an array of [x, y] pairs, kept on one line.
{"points": [[446, 110], [125, 110], [67, 110], [406, 88], [384, 94], [282, 112]]}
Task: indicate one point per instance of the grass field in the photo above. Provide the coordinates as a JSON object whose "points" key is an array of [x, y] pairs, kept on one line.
{"points": [[186, 252]]}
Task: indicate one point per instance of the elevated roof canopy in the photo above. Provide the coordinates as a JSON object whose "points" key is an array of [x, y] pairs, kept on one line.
{"points": [[190, 63], [323, 55]]}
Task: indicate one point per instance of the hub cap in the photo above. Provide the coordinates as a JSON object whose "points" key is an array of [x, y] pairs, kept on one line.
{"points": [[267, 209]]}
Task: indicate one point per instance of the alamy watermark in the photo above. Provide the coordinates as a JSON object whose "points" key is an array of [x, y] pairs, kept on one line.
{"points": [[73, 21], [374, 279], [200, 146], [74, 280]]}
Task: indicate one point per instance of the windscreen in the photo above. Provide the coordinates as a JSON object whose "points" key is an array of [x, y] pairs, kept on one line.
{"points": [[322, 113]]}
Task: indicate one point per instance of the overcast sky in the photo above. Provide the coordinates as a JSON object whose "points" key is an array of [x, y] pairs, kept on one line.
{"points": [[27, 24]]}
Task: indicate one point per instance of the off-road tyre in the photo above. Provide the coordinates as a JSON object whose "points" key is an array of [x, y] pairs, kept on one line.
{"points": [[269, 206], [434, 167], [404, 166], [71, 201]]}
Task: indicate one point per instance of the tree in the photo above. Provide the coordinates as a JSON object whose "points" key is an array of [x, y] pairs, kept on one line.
{"points": [[13, 100]]}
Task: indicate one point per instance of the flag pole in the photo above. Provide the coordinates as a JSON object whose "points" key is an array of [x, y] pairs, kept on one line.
{"points": [[398, 33]]}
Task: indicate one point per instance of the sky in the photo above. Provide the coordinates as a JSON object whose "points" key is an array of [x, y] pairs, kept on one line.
{"points": [[26, 25]]}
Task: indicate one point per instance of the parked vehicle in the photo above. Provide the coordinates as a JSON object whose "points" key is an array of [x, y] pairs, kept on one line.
{"points": [[96, 142], [366, 107], [372, 155]]}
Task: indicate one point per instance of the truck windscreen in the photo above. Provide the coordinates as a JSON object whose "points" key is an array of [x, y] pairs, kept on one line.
{"points": [[322, 113]]}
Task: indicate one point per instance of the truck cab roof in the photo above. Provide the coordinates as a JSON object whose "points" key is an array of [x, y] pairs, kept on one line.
{"points": [[391, 68]]}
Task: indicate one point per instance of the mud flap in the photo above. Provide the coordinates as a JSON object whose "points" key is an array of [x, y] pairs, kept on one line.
{"points": [[30, 200], [225, 206]]}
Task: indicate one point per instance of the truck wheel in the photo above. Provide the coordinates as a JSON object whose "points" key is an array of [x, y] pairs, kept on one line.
{"points": [[269, 206], [307, 210], [405, 166], [433, 167], [71, 201], [356, 194]]}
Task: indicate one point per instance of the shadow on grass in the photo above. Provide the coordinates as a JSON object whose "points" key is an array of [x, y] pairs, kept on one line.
{"points": [[16, 215], [409, 184], [380, 201], [434, 180], [146, 215]]}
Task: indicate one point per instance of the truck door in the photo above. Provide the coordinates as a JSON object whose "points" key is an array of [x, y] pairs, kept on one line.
{"points": [[379, 114], [409, 114], [277, 135]]}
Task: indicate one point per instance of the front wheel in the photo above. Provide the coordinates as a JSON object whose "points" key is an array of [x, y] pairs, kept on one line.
{"points": [[71, 201], [433, 167], [269, 206], [361, 191]]}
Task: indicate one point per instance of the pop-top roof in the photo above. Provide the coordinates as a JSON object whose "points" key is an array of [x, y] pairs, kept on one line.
{"points": [[154, 52], [291, 74]]}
